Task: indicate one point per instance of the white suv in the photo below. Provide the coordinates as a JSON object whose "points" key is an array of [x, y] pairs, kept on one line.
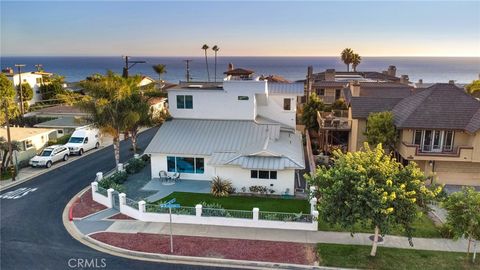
{"points": [[50, 155]]}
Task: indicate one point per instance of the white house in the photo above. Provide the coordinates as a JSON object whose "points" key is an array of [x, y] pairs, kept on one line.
{"points": [[34, 79], [242, 130]]}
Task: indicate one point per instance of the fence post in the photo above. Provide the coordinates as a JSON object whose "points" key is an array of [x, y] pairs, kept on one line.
{"points": [[136, 156], [313, 204], [141, 206], [255, 213], [312, 191], [94, 187], [198, 210], [110, 197], [120, 167], [99, 176], [315, 220], [122, 198]]}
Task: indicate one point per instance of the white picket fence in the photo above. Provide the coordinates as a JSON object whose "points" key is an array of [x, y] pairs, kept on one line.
{"points": [[208, 216]]}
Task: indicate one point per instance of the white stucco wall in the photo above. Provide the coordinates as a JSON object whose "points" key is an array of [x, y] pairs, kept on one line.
{"points": [[238, 176], [274, 109], [31, 79]]}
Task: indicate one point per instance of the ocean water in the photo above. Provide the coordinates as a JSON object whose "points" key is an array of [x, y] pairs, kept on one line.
{"points": [[430, 69]]}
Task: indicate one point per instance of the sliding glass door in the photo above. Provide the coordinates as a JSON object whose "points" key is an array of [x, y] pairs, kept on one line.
{"points": [[434, 140]]}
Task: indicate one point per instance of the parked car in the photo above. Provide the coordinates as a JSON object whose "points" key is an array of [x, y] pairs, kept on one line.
{"points": [[83, 140], [50, 155]]}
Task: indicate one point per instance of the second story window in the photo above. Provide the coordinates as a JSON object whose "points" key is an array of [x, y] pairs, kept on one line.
{"points": [[321, 92], [184, 102], [434, 140], [337, 93], [287, 104]]}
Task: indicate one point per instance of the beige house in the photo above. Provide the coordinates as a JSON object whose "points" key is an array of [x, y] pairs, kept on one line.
{"points": [[439, 129]]}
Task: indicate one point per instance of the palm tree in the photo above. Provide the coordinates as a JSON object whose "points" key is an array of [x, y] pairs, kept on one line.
{"points": [[160, 69], [105, 101], [356, 60], [347, 57], [215, 49], [139, 115], [205, 48]]}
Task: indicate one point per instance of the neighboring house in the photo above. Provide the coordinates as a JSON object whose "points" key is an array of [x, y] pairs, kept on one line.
{"points": [[158, 105], [65, 125], [331, 84], [242, 130], [31, 140], [439, 129], [34, 79]]}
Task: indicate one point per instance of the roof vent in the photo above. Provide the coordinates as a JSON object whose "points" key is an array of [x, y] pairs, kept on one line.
{"points": [[451, 82], [195, 86]]}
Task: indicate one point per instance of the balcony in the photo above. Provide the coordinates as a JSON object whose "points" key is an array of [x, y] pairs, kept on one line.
{"points": [[415, 152], [334, 120]]}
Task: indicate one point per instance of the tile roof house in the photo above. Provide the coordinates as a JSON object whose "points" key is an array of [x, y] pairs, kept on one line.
{"points": [[439, 129], [242, 130]]}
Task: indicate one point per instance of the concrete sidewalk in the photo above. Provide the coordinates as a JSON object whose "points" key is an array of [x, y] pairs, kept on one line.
{"points": [[132, 226]]}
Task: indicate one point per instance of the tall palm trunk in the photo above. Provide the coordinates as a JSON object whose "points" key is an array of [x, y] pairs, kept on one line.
{"points": [[206, 63], [348, 67], [375, 242], [116, 148], [134, 134], [215, 66]]}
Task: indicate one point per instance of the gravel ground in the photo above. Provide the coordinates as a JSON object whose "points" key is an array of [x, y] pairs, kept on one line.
{"points": [[85, 205], [237, 249]]}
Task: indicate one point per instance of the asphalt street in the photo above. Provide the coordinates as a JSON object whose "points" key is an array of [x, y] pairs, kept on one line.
{"points": [[32, 233]]}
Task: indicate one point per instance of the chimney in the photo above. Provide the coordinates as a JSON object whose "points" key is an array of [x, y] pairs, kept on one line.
{"points": [[355, 88], [230, 67], [420, 81], [404, 79], [392, 71], [330, 75], [451, 82]]}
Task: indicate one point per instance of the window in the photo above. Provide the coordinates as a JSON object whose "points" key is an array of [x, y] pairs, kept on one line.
{"points": [[38, 80], [321, 92], [263, 174], [337, 93], [86, 140], [417, 137], [28, 144], [184, 102], [185, 164], [60, 131], [287, 104], [448, 141], [242, 98]]}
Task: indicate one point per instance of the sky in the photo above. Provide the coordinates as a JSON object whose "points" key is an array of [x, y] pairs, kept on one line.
{"points": [[248, 28]]}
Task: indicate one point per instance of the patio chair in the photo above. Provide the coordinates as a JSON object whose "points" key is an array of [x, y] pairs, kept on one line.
{"points": [[176, 177], [163, 176]]}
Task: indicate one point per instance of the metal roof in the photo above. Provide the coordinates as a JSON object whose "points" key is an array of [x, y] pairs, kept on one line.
{"points": [[297, 89], [230, 142]]}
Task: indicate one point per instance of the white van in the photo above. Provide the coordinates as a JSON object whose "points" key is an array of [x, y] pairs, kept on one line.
{"points": [[83, 140]]}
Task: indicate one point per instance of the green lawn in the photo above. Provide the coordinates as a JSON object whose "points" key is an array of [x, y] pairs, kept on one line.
{"points": [[242, 202], [424, 227], [391, 258]]}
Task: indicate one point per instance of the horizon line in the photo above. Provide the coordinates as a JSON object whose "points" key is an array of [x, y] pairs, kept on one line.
{"points": [[219, 56]]}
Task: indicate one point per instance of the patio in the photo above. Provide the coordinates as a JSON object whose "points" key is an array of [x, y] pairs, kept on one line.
{"points": [[141, 186]]}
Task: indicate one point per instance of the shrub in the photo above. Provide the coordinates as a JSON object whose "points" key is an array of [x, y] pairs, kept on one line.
{"points": [[60, 140], [118, 177], [221, 187], [135, 165], [258, 189]]}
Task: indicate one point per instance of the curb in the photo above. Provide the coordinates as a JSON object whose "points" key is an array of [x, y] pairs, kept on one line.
{"points": [[165, 258]]}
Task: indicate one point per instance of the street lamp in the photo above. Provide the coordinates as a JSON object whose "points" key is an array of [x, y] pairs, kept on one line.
{"points": [[19, 66], [128, 66]]}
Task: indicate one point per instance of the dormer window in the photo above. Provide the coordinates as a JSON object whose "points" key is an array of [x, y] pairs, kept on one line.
{"points": [[184, 102]]}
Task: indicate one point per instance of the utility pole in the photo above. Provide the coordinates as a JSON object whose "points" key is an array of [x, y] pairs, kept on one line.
{"points": [[128, 66], [187, 69], [19, 66], [9, 139]]}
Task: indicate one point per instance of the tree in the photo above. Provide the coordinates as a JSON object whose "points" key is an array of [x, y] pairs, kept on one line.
{"points": [[215, 49], [5, 156], [52, 87], [463, 217], [105, 101], [205, 48], [346, 56], [160, 69], [474, 88], [371, 188], [139, 115], [7, 94], [381, 129], [356, 60], [310, 109], [27, 94]]}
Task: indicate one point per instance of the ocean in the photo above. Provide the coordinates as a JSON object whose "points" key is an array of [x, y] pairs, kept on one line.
{"points": [[430, 69]]}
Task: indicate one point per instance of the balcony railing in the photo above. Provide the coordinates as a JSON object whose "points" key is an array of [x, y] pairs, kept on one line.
{"points": [[329, 120], [418, 150]]}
